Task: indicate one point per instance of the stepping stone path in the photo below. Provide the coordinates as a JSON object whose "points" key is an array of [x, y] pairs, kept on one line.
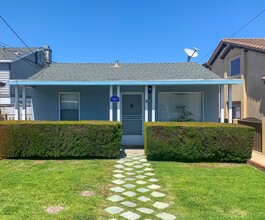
{"points": [[135, 191]]}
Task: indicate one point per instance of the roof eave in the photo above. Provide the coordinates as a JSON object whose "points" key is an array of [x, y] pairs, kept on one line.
{"points": [[5, 61], [128, 83]]}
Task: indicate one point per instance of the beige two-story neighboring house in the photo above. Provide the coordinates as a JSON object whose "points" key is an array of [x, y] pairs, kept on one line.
{"points": [[242, 58]]}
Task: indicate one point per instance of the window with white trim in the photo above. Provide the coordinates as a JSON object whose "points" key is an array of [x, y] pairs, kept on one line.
{"points": [[235, 66], [69, 106]]}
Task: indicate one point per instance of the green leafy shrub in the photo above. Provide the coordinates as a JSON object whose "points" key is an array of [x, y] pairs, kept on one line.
{"points": [[46, 139], [198, 141]]}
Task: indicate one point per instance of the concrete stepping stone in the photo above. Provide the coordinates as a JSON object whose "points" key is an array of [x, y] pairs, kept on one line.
{"points": [[139, 171], [146, 164], [160, 205], [149, 174], [148, 169], [145, 210], [141, 182], [144, 199], [129, 164], [118, 175], [115, 198], [140, 176], [154, 186], [118, 171], [129, 204], [129, 179], [166, 216], [143, 190], [136, 162], [114, 210], [138, 166], [129, 193], [157, 194], [118, 181], [130, 215], [119, 166], [128, 169], [120, 161], [117, 189], [129, 186], [143, 160], [153, 180], [130, 173]]}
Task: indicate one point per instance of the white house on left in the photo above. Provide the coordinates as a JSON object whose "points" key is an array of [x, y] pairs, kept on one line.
{"points": [[19, 63]]}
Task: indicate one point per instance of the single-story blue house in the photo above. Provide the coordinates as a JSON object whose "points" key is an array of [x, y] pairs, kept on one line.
{"points": [[127, 92]]}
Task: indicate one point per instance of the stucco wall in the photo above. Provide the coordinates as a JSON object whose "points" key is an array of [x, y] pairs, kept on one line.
{"points": [[94, 100], [255, 86]]}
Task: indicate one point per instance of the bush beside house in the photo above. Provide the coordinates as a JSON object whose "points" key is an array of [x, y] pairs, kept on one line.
{"points": [[198, 141], [45, 139]]}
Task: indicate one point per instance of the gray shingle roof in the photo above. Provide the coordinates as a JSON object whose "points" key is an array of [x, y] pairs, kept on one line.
{"points": [[125, 72], [15, 52]]}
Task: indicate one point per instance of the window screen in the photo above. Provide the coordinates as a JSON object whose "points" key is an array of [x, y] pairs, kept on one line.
{"points": [[69, 107]]}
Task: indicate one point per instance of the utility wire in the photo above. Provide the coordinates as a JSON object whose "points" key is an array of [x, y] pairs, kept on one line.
{"points": [[240, 29], [20, 37], [15, 33]]}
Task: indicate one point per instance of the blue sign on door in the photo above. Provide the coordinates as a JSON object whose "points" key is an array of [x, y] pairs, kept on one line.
{"points": [[114, 98]]}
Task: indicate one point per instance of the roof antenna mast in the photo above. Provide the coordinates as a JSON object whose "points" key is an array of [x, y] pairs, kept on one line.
{"points": [[192, 53]]}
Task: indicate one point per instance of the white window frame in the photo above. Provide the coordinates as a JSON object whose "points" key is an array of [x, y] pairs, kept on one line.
{"points": [[62, 93], [230, 65], [202, 93]]}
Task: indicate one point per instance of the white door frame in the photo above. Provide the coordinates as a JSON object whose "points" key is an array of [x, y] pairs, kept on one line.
{"points": [[133, 139]]}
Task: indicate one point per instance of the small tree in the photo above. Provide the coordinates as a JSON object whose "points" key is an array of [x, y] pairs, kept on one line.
{"points": [[185, 115]]}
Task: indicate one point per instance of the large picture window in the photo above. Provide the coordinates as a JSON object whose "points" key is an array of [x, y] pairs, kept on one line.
{"points": [[69, 106], [180, 106]]}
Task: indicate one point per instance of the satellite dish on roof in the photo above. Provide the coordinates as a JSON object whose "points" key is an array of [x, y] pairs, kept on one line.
{"points": [[192, 53]]}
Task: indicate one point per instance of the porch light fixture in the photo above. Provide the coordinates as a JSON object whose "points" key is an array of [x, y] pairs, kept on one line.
{"points": [[149, 89], [263, 78]]}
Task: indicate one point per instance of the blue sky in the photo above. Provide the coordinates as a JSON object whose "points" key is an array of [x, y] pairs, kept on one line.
{"points": [[128, 30]]}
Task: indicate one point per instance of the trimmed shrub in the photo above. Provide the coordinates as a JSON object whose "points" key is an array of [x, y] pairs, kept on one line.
{"points": [[198, 141], [46, 139]]}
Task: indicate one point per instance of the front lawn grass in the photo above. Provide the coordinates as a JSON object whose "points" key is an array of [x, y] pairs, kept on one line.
{"points": [[28, 187], [213, 190]]}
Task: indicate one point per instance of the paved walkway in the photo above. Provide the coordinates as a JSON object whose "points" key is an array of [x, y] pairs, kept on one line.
{"points": [[136, 193], [257, 160]]}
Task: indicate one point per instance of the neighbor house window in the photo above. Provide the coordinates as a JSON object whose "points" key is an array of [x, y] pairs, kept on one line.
{"points": [[69, 106], [236, 109], [180, 106], [235, 66]]}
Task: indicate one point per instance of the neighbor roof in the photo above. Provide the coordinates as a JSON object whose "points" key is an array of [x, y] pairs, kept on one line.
{"points": [[226, 44], [124, 74], [9, 54]]}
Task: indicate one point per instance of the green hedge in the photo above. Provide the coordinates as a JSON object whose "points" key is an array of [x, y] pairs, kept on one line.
{"points": [[46, 139], [191, 141]]}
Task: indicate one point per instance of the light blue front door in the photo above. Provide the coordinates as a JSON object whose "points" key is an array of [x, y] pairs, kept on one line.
{"points": [[132, 119]]}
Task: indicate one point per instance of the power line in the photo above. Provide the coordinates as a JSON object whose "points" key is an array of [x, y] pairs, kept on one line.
{"points": [[240, 29], [15, 33]]}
